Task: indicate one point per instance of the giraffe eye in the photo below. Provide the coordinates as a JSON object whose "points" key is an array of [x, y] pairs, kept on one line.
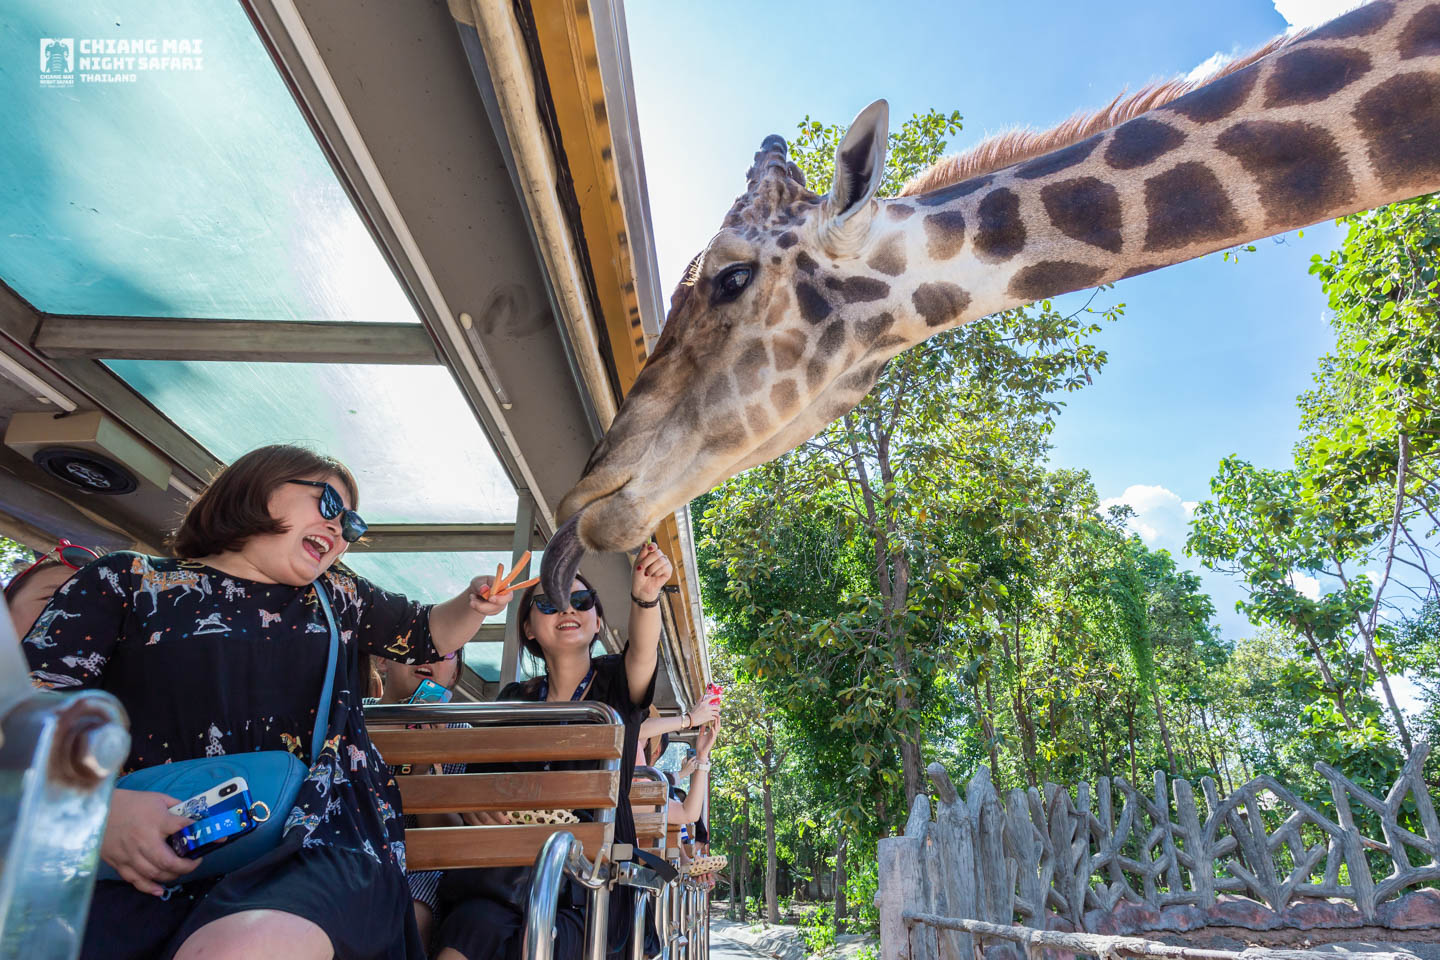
{"points": [[732, 282]]}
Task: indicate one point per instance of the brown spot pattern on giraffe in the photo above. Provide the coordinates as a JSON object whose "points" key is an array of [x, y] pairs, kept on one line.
{"points": [[1400, 120], [789, 347], [831, 340], [1187, 204], [747, 369], [719, 390], [1050, 278], [1299, 167], [815, 373], [886, 342], [1217, 99], [862, 379], [863, 289], [1143, 268], [1085, 209], [939, 303], [1141, 141], [889, 258], [944, 234], [757, 417], [723, 439], [813, 305], [1057, 160], [937, 198], [787, 240], [784, 395], [868, 330], [1356, 23], [1421, 36], [805, 262], [898, 211], [1312, 74], [1000, 233]]}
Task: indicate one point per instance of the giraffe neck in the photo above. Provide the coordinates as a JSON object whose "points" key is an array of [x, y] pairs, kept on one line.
{"points": [[1346, 119]]}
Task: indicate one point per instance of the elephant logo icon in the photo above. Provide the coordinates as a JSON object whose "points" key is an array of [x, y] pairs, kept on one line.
{"points": [[56, 56]]}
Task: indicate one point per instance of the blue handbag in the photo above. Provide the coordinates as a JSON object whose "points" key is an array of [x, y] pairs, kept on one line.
{"points": [[274, 778]]}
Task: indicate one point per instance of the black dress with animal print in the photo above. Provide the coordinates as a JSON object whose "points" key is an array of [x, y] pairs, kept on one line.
{"points": [[208, 664]]}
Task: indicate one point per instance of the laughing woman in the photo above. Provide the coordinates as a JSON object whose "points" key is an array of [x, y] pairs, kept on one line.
{"points": [[223, 651]]}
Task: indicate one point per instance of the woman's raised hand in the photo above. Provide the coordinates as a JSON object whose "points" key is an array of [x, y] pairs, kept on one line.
{"points": [[705, 739], [652, 572], [703, 712], [489, 596], [134, 842]]}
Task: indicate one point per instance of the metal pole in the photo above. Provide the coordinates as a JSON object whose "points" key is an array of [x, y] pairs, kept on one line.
{"points": [[545, 896], [597, 926], [637, 929], [523, 536]]}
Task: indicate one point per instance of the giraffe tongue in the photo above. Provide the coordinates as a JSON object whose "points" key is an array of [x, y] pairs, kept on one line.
{"points": [[562, 558]]}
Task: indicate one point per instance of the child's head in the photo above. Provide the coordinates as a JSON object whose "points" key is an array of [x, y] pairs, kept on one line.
{"points": [[554, 627], [270, 507]]}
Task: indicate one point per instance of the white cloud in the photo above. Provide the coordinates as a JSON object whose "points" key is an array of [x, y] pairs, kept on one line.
{"points": [[1207, 67], [1161, 518], [1311, 13], [1307, 585]]}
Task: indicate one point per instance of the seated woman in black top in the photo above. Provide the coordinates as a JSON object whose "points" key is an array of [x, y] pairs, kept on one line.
{"points": [[224, 651], [484, 910]]}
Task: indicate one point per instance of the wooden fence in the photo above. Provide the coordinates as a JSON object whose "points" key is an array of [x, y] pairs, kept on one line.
{"points": [[1114, 860]]}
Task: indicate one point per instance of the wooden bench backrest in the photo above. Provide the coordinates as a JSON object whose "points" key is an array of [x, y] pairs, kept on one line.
{"points": [[647, 802], [513, 845]]}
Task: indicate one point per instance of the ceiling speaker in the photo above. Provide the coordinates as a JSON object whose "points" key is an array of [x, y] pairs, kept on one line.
{"points": [[89, 471], [88, 451]]}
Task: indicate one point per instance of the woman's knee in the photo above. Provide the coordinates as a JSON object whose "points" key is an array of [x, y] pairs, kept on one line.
{"points": [[257, 933]]}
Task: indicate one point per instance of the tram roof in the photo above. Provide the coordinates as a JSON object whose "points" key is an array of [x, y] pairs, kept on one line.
{"points": [[413, 235]]}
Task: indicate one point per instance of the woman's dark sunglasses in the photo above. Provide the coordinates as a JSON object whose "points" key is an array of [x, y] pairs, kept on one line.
{"points": [[580, 601], [352, 528]]}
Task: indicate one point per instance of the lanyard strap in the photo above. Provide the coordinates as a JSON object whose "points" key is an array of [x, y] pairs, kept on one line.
{"points": [[322, 712], [579, 691]]}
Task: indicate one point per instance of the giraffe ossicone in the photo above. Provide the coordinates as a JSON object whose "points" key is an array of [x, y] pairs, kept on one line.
{"points": [[785, 320]]}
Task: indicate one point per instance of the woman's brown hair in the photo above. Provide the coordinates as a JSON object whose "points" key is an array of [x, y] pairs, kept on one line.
{"points": [[235, 506]]}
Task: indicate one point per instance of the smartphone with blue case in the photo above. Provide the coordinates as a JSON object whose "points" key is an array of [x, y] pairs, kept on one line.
{"points": [[205, 835], [431, 692]]}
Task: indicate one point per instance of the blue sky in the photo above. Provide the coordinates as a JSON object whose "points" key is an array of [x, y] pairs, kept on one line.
{"points": [[1210, 355]]}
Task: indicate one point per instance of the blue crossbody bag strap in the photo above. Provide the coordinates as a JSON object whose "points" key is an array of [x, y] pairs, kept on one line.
{"points": [[322, 713]]}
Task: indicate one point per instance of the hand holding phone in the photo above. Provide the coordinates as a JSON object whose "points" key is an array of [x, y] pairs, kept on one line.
{"points": [[205, 835], [198, 806], [431, 692]]}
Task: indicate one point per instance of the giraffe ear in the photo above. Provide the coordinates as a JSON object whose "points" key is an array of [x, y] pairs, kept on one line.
{"points": [[860, 162]]}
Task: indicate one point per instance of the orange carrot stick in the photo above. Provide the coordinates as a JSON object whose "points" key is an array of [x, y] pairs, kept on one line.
{"points": [[523, 584]]}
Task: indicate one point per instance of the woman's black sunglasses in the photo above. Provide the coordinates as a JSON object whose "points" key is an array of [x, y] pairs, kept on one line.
{"points": [[352, 528], [580, 601]]}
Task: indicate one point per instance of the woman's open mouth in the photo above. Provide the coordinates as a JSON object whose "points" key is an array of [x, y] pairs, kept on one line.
{"points": [[568, 623], [317, 546], [424, 672]]}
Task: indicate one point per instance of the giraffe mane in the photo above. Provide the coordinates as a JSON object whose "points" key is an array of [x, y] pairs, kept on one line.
{"points": [[1012, 146]]}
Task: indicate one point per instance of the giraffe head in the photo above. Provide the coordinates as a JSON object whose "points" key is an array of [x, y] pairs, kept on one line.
{"points": [[751, 361], [784, 321]]}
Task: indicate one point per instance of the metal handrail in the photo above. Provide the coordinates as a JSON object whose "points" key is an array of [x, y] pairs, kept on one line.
{"points": [[563, 855]]}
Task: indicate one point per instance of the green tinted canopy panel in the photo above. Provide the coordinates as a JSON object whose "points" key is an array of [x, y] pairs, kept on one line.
{"points": [[155, 165], [406, 432]]}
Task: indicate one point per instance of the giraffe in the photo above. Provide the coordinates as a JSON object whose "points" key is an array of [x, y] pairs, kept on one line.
{"points": [[783, 323]]}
